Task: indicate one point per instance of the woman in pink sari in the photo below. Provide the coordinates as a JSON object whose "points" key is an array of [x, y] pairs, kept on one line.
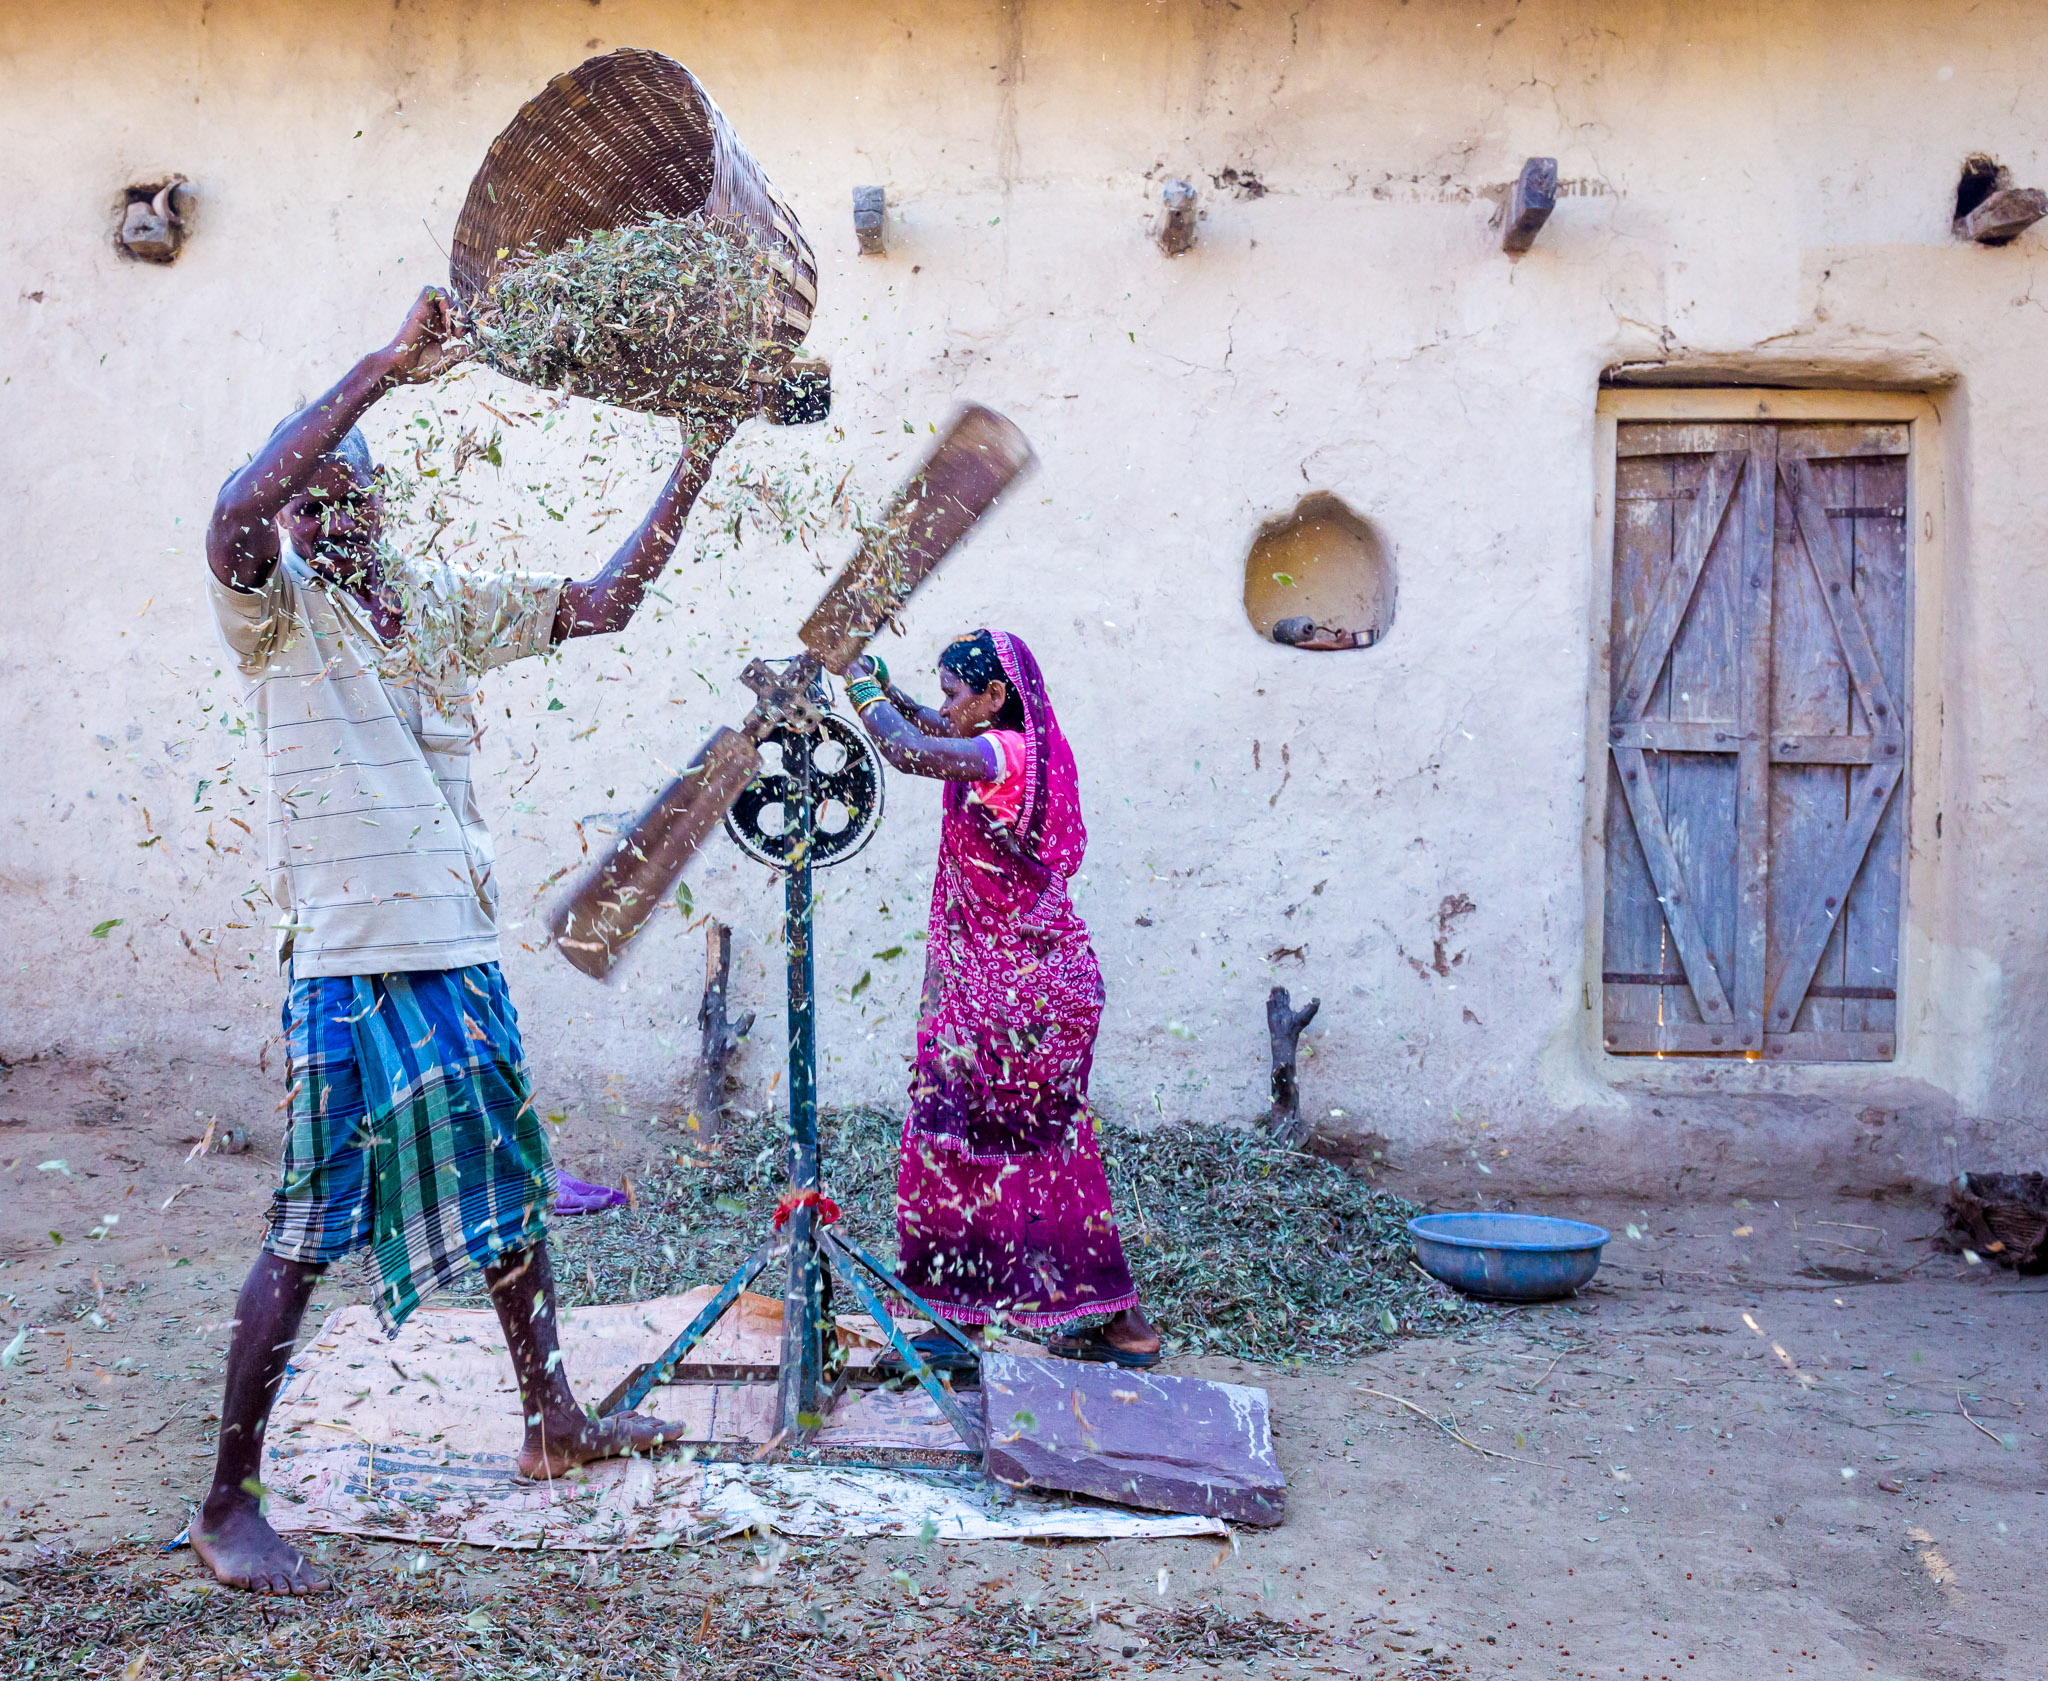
{"points": [[1002, 1207]]}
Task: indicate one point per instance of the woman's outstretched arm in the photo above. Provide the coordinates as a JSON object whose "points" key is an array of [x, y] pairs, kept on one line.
{"points": [[927, 720], [919, 752]]}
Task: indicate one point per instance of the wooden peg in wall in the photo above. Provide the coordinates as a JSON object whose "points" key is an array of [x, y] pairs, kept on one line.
{"points": [[2004, 216], [1177, 230], [870, 208], [1529, 205], [153, 223]]}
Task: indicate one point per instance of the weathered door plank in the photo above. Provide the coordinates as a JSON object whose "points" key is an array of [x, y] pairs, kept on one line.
{"points": [[1682, 1038], [1670, 881], [1697, 792], [1829, 1047], [1640, 438], [1789, 747], [1839, 439], [1637, 682], [1635, 940], [1868, 796], [1753, 758], [1810, 697], [1878, 549], [1824, 820], [1838, 594]]}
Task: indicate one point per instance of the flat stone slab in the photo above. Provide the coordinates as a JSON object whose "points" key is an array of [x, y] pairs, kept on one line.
{"points": [[1173, 1444]]}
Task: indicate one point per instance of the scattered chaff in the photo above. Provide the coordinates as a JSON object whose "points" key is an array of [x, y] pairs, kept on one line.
{"points": [[1239, 1246], [1210, 1634], [397, 1613]]}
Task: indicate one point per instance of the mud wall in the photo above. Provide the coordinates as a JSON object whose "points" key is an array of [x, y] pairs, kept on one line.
{"points": [[1751, 194]]}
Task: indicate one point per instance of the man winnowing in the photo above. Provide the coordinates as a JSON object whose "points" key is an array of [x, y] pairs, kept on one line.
{"points": [[413, 1129]]}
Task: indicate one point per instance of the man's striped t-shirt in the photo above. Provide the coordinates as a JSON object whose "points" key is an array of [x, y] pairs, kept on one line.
{"points": [[379, 859]]}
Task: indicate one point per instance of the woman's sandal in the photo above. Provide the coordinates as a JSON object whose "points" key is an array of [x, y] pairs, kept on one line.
{"points": [[1093, 1345]]}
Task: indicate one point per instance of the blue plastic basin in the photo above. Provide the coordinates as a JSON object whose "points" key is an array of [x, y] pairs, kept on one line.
{"points": [[1510, 1257]]}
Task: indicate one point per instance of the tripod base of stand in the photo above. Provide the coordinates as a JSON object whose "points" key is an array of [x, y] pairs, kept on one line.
{"points": [[810, 1381], [875, 1428]]}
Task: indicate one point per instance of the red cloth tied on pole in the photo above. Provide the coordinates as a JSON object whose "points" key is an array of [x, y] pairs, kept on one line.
{"points": [[828, 1210]]}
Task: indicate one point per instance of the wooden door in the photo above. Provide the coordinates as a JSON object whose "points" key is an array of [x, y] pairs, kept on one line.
{"points": [[1758, 733]]}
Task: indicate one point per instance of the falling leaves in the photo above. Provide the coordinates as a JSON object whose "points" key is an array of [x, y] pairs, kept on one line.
{"points": [[101, 930]]}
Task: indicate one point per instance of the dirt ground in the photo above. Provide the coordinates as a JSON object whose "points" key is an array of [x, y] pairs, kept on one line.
{"points": [[1770, 1433]]}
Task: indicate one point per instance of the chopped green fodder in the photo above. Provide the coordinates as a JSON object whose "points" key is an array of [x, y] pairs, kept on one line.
{"points": [[1240, 1247], [673, 314], [745, 1610]]}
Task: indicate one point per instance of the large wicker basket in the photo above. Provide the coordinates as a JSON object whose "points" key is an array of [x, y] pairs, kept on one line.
{"points": [[622, 139]]}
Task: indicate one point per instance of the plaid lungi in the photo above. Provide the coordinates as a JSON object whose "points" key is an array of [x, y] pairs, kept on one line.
{"points": [[413, 1129]]}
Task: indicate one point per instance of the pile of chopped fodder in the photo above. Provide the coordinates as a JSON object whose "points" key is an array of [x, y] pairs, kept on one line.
{"points": [[1243, 1247], [671, 315], [1239, 1247]]}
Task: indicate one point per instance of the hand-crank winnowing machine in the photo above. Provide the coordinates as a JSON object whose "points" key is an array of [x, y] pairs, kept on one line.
{"points": [[978, 458]]}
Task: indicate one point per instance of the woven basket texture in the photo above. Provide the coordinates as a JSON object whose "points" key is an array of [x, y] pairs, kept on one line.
{"points": [[2001, 1216], [625, 138]]}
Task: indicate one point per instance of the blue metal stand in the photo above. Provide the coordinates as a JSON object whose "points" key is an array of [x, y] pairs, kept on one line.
{"points": [[805, 1323], [804, 1389]]}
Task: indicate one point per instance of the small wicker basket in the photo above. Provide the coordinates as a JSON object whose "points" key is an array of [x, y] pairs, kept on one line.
{"points": [[622, 139]]}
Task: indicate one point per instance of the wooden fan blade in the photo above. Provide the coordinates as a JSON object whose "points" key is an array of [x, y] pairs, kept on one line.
{"points": [[606, 909], [980, 456]]}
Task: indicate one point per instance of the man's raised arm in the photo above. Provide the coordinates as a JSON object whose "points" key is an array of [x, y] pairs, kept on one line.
{"points": [[606, 601], [241, 541]]}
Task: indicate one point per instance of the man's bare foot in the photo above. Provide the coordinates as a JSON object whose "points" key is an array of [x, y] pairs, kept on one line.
{"points": [[1132, 1332], [235, 1542], [560, 1445]]}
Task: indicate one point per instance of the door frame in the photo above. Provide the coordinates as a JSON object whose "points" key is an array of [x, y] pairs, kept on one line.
{"points": [[1913, 1055]]}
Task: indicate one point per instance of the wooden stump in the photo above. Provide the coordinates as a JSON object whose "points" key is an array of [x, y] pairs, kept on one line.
{"points": [[721, 1036], [1283, 1028]]}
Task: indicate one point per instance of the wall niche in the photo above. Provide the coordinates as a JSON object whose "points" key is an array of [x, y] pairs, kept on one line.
{"points": [[1321, 564]]}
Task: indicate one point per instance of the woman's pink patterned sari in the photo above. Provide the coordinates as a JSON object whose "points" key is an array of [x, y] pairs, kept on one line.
{"points": [[1002, 1207]]}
